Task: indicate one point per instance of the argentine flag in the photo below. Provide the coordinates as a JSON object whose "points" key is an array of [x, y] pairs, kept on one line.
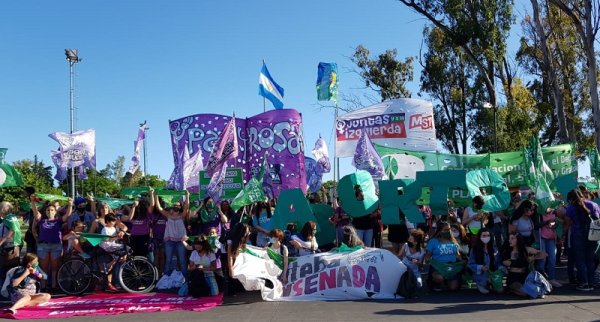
{"points": [[269, 89]]}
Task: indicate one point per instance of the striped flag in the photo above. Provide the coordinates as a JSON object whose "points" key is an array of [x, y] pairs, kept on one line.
{"points": [[268, 88]]}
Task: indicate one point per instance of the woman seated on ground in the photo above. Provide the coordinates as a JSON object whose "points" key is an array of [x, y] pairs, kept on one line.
{"points": [[482, 260], [412, 253], [306, 241], [24, 286], [350, 237], [202, 267], [443, 252], [276, 244], [516, 257], [460, 234]]}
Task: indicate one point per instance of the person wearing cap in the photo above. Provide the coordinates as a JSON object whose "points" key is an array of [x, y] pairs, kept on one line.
{"points": [[81, 214]]}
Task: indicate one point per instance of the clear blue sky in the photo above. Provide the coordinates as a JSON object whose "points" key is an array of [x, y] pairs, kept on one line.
{"points": [[161, 60]]}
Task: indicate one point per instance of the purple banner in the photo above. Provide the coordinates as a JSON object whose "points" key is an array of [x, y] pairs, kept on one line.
{"points": [[278, 132]]}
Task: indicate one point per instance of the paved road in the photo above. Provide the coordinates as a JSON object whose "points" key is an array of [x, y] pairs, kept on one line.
{"points": [[466, 305]]}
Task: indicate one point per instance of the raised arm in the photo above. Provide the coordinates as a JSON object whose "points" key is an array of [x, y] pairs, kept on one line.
{"points": [[151, 201], [159, 207], [186, 206], [131, 212], [65, 217], [34, 209], [92, 202]]}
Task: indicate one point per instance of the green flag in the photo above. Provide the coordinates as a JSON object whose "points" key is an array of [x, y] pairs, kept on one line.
{"points": [[132, 192], [538, 174], [9, 176], [49, 197], [114, 203], [253, 191]]}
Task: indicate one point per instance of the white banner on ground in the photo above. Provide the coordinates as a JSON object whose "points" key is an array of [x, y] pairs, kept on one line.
{"points": [[403, 123], [365, 273]]}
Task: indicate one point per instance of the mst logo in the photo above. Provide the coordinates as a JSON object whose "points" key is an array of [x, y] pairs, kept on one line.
{"points": [[421, 120]]}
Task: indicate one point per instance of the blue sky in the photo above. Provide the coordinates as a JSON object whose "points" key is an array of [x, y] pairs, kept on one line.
{"points": [[162, 60]]}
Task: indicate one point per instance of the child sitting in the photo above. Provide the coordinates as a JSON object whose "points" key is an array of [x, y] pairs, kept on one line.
{"points": [[24, 286], [111, 246], [73, 242]]}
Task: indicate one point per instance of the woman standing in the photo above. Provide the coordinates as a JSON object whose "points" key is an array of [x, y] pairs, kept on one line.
{"points": [[473, 218], [261, 221], [175, 233], [139, 219], [580, 213], [10, 239], [49, 238], [522, 221]]}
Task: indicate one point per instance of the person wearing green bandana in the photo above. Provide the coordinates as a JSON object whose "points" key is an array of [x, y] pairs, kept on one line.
{"points": [[10, 238], [206, 217], [443, 253]]}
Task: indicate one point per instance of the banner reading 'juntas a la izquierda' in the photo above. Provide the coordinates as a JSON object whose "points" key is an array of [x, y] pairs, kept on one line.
{"points": [[403, 123]]}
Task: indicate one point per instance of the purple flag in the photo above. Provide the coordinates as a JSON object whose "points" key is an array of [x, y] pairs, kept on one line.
{"points": [[215, 186], [61, 172], [135, 160], [76, 149], [314, 174], [176, 179], [277, 132], [191, 168], [321, 155], [366, 158], [226, 147]]}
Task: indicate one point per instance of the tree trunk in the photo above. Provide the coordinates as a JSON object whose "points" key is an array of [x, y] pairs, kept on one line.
{"points": [[563, 134]]}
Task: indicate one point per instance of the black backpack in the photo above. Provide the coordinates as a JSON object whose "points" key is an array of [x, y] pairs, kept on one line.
{"points": [[407, 287]]}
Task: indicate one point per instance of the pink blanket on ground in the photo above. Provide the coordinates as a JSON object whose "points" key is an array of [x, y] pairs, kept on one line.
{"points": [[108, 304]]}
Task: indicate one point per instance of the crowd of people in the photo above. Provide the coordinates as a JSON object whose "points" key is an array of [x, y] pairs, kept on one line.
{"points": [[203, 240]]}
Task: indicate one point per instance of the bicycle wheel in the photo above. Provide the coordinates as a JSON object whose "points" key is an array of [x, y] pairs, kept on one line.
{"points": [[74, 276], [138, 275]]}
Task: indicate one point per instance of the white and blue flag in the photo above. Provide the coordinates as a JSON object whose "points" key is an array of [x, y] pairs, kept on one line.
{"points": [[269, 89]]}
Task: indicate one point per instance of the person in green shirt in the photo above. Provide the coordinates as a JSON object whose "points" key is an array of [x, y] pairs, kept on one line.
{"points": [[10, 238]]}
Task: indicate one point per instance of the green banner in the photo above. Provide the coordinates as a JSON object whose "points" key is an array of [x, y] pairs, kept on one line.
{"points": [[233, 184], [510, 165]]}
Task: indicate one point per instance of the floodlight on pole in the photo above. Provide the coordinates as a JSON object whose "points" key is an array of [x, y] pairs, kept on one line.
{"points": [[72, 58]]}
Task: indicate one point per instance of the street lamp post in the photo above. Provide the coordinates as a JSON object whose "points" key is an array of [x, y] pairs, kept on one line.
{"points": [[73, 59], [145, 153], [488, 105]]}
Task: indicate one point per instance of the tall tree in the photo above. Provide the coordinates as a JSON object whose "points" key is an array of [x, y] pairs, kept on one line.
{"points": [[452, 81], [385, 75], [585, 16], [480, 27]]}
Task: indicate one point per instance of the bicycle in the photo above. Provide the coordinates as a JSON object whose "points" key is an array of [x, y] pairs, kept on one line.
{"points": [[78, 275]]}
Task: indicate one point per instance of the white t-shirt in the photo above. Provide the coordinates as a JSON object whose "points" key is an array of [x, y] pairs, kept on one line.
{"points": [[475, 224], [109, 245], [203, 260], [308, 247]]}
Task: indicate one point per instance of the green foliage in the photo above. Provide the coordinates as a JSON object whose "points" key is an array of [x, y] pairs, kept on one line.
{"points": [[36, 175], [385, 75]]}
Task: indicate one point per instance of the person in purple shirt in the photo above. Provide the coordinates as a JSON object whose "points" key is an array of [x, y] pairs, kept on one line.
{"points": [[580, 213], [49, 237]]}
